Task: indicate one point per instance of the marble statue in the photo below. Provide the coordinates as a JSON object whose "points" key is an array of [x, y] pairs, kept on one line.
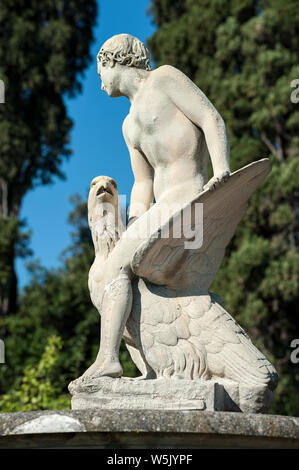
{"points": [[150, 288]]}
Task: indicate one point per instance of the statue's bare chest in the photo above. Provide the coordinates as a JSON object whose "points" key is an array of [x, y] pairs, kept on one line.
{"points": [[146, 120]]}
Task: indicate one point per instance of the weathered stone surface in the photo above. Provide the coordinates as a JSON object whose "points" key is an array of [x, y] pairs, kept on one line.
{"points": [[147, 429], [46, 423], [159, 394]]}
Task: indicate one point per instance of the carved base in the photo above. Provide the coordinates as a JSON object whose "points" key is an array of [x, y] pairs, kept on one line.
{"points": [[158, 394]]}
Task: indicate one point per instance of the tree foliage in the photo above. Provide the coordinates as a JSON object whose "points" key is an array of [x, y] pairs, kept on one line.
{"points": [[37, 391], [244, 56], [44, 49]]}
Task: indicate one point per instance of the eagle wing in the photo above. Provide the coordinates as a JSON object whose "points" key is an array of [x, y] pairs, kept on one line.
{"points": [[195, 247]]}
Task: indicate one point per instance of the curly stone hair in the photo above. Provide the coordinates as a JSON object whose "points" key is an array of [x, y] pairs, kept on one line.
{"points": [[125, 50]]}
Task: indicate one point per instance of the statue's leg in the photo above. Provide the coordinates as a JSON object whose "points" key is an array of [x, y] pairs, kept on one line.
{"points": [[117, 298], [115, 309]]}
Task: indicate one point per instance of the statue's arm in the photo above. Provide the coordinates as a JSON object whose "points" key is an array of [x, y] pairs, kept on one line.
{"points": [[197, 107], [142, 194]]}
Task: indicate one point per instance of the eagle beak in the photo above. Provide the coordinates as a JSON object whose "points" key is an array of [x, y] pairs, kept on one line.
{"points": [[103, 190]]}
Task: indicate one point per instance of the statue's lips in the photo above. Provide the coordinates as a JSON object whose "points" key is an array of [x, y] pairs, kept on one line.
{"points": [[103, 190]]}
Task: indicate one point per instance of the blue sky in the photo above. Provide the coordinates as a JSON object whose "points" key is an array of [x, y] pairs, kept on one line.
{"points": [[96, 140]]}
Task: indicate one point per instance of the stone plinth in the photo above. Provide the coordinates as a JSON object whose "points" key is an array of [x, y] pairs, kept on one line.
{"points": [[161, 394], [158, 429]]}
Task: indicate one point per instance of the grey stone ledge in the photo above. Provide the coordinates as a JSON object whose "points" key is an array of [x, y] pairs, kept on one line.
{"points": [[146, 428]]}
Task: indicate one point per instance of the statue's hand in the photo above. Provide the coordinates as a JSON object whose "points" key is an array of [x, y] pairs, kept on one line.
{"points": [[217, 180]]}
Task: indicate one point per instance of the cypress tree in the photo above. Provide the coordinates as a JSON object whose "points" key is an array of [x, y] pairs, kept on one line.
{"points": [[44, 49]]}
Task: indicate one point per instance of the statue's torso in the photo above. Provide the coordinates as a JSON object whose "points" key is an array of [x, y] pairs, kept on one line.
{"points": [[168, 140]]}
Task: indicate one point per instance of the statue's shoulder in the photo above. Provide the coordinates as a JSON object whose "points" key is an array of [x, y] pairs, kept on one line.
{"points": [[164, 72], [166, 75], [165, 69]]}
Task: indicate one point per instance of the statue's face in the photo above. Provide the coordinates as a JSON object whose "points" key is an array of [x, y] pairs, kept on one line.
{"points": [[103, 194], [109, 76], [103, 189]]}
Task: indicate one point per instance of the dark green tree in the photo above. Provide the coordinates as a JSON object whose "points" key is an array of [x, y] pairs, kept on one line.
{"points": [[44, 49], [244, 55]]}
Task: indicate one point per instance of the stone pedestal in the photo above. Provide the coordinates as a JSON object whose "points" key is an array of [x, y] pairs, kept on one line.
{"points": [[161, 394], [146, 429], [167, 394]]}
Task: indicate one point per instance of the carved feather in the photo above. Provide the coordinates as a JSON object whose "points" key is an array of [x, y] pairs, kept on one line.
{"points": [[188, 334]]}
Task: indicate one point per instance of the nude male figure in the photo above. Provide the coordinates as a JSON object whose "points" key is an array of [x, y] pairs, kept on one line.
{"points": [[171, 130]]}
